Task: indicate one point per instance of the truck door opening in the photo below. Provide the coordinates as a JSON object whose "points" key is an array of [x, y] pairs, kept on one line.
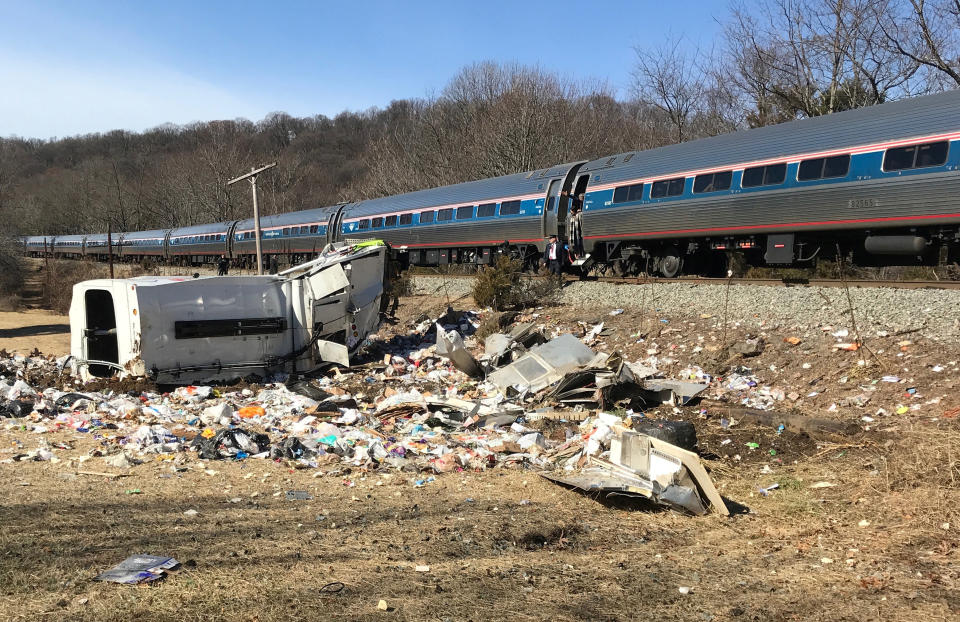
{"points": [[100, 335]]}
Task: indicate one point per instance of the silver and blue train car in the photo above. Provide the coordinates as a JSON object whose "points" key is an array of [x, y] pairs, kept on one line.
{"points": [[142, 244], [198, 244], [881, 183], [465, 223], [96, 245], [295, 235], [38, 245], [69, 246]]}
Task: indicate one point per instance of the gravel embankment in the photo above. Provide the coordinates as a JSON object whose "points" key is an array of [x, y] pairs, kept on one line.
{"points": [[934, 313]]}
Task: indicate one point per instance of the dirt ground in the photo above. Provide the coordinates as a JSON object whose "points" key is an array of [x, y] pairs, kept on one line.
{"points": [[34, 329], [859, 528]]}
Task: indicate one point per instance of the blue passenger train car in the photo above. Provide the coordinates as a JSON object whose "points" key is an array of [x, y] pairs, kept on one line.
{"points": [[878, 184]]}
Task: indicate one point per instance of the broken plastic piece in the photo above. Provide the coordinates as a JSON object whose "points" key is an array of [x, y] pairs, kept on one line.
{"points": [[138, 568]]}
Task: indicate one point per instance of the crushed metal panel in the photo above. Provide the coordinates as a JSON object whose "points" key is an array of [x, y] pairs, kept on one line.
{"points": [[644, 466], [544, 364], [496, 345], [676, 392], [329, 281], [332, 352], [450, 345]]}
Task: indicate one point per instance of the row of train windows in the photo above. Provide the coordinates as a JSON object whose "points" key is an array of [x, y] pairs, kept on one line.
{"points": [[895, 159], [507, 208], [195, 239]]}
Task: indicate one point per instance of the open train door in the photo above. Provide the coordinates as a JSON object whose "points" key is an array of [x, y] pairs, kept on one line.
{"points": [[334, 225], [555, 208], [228, 241]]}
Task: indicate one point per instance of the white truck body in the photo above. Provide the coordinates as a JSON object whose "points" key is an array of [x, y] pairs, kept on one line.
{"points": [[181, 330]]}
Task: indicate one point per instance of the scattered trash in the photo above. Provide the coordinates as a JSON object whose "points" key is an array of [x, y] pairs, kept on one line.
{"points": [[766, 491], [138, 569], [298, 495]]}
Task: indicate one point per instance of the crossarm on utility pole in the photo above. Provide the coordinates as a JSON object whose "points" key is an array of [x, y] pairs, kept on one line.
{"points": [[252, 176]]}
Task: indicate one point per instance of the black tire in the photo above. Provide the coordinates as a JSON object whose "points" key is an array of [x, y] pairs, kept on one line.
{"points": [[670, 264], [679, 433]]}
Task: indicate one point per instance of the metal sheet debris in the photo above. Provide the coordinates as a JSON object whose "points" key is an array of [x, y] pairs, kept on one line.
{"points": [[640, 465], [544, 364]]}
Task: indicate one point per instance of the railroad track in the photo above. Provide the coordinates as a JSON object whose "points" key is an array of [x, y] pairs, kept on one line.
{"points": [[742, 281]]}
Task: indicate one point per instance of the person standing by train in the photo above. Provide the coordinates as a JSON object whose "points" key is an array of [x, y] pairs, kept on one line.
{"points": [[575, 231], [553, 255], [223, 266]]}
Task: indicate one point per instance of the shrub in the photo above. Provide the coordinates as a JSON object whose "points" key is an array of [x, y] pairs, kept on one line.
{"points": [[503, 286], [495, 285], [62, 275], [12, 272]]}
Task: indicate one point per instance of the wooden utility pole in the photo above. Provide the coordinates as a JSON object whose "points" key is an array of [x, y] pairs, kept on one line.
{"points": [[252, 176], [110, 246]]}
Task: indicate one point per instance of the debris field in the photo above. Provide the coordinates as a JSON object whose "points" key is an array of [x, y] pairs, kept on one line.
{"points": [[480, 465]]}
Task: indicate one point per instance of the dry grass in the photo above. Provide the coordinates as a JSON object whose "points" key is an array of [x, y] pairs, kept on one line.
{"points": [[500, 545], [12, 274], [60, 276]]}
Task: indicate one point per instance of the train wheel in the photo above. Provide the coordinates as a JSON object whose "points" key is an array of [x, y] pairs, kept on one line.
{"points": [[670, 263], [619, 267]]}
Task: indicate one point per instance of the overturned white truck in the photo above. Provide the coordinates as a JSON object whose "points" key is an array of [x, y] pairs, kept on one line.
{"points": [[181, 330]]}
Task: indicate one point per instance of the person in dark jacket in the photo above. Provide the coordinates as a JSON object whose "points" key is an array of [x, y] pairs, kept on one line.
{"points": [[553, 255], [223, 266]]}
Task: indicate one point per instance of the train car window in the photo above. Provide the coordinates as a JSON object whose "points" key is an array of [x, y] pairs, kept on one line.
{"points": [[286, 231], [666, 188], [390, 221], [915, 156], [509, 208], [764, 175], [486, 209], [445, 214], [426, 217], [465, 212], [810, 169], [836, 166], [624, 194], [376, 223], [900, 158], [364, 224], [406, 219], [824, 168], [932, 154], [314, 228], [712, 182], [775, 174], [752, 177]]}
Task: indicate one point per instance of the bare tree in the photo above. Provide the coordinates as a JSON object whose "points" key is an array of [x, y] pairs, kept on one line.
{"points": [[926, 33], [672, 81], [812, 57]]}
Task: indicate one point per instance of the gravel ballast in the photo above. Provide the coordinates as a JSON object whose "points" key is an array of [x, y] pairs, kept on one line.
{"points": [[934, 313]]}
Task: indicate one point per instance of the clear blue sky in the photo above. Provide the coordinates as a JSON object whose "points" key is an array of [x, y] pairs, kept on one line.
{"points": [[68, 68]]}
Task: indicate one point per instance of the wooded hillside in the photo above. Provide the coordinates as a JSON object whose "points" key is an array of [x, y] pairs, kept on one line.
{"points": [[785, 60]]}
